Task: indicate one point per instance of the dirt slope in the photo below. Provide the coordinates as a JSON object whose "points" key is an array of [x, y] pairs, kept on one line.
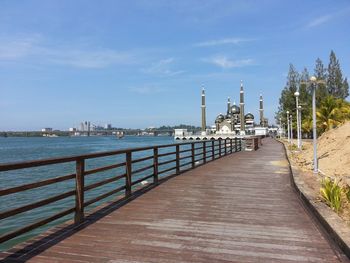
{"points": [[333, 151]]}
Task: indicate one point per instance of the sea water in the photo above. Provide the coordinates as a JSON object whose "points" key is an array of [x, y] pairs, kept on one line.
{"points": [[18, 149]]}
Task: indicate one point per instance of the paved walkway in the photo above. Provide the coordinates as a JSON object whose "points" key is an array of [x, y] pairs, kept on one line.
{"points": [[240, 208]]}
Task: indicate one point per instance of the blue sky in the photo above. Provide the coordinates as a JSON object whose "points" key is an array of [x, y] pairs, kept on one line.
{"points": [[142, 63]]}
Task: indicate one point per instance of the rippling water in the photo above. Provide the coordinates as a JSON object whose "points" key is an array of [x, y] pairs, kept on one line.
{"points": [[23, 149]]}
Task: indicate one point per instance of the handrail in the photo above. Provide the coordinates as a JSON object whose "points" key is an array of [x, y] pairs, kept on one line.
{"points": [[127, 176]]}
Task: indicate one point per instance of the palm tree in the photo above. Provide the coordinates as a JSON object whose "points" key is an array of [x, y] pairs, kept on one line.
{"points": [[306, 124], [332, 113]]}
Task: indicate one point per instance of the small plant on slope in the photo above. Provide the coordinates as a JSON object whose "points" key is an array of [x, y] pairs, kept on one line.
{"points": [[347, 192], [331, 193]]}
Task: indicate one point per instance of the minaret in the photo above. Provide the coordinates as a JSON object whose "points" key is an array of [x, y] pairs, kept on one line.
{"points": [[261, 110], [228, 105], [204, 124], [241, 105]]}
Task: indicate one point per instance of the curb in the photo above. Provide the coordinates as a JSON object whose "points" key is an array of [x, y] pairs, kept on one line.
{"points": [[334, 226]]}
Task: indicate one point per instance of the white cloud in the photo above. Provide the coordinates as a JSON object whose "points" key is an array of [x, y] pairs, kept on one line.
{"points": [[224, 41], [17, 48], [89, 58], [146, 89], [319, 21], [226, 63], [162, 67], [35, 49]]}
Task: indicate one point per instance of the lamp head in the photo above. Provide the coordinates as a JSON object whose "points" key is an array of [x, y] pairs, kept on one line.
{"points": [[296, 94], [287, 111]]}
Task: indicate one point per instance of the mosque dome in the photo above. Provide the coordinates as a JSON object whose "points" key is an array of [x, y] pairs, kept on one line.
{"points": [[249, 116], [235, 109], [220, 118], [228, 115]]}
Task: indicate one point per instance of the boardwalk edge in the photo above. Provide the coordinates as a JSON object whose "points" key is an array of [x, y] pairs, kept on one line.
{"points": [[332, 224]]}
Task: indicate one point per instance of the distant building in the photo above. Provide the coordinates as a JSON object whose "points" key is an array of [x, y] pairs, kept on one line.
{"points": [[46, 129], [182, 132], [72, 129], [108, 126], [82, 126]]}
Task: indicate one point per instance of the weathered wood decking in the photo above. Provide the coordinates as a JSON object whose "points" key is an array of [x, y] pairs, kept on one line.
{"points": [[240, 208]]}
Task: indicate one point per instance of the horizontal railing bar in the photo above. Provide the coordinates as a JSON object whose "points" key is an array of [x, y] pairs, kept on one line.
{"points": [[104, 168], [142, 159], [198, 154], [35, 163], [25, 187], [100, 197], [28, 228], [143, 169], [142, 179], [198, 160], [106, 181], [166, 154], [184, 151], [184, 164], [35, 205], [166, 170], [185, 157], [166, 162]]}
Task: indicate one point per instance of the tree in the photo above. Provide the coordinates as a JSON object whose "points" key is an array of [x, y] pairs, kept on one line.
{"points": [[321, 74], [331, 113], [345, 88], [305, 96], [336, 86], [287, 99], [306, 125]]}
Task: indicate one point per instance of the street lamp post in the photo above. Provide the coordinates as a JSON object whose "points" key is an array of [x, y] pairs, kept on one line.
{"points": [[296, 94], [288, 126], [313, 83], [300, 135], [291, 129], [281, 127]]}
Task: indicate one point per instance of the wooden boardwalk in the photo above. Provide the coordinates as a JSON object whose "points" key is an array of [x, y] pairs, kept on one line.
{"points": [[240, 208]]}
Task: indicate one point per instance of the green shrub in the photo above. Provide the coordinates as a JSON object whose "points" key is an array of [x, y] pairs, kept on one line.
{"points": [[347, 192], [331, 193]]}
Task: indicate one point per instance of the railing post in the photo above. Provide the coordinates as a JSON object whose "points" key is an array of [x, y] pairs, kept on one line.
{"points": [[213, 149], [204, 153], [128, 174], [230, 145], [192, 154], [177, 159], [236, 145], [220, 147], [225, 141], [155, 165], [79, 188]]}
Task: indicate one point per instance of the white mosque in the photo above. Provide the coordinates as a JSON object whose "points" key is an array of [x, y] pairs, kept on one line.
{"points": [[230, 125]]}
